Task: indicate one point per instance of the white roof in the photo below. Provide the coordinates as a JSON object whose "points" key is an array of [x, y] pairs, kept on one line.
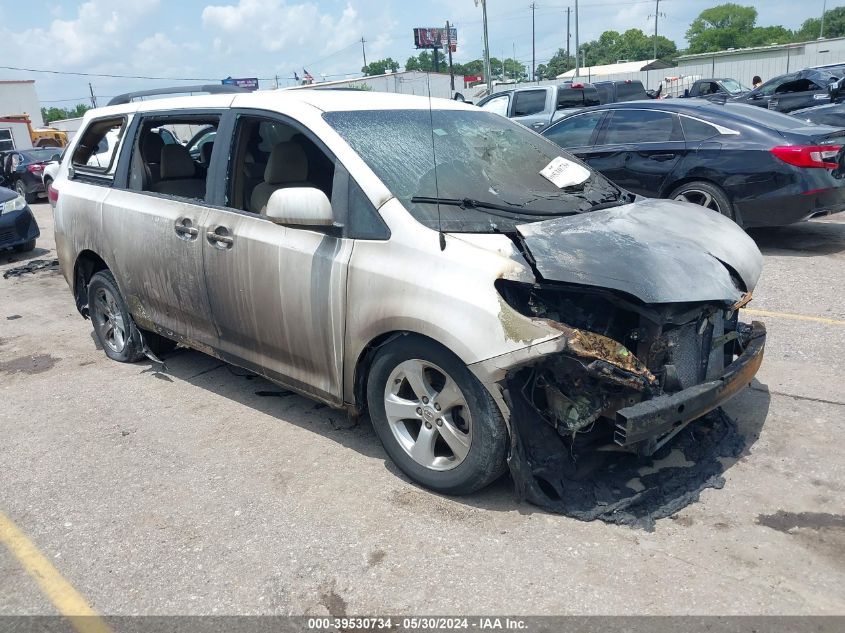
{"points": [[611, 69], [324, 100]]}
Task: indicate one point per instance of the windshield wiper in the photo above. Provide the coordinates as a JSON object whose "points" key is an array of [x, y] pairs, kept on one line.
{"points": [[469, 203]]}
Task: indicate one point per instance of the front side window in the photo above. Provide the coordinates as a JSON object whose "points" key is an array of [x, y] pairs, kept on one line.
{"points": [[575, 131], [529, 102], [498, 105], [641, 126], [96, 151], [269, 155], [474, 155]]}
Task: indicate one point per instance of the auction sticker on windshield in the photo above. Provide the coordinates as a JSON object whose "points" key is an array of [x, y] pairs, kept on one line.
{"points": [[564, 173]]}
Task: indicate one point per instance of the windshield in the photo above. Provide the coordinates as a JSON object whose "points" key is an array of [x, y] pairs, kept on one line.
{"points": [[481, 156], [734, 87]]}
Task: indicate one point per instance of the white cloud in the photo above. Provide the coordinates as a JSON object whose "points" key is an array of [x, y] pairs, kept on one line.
{"points": [[95, 30]]}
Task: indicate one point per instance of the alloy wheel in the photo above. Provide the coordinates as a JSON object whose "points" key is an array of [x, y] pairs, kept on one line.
{"points": [[428, 414], [701, 198], [109, 320]]}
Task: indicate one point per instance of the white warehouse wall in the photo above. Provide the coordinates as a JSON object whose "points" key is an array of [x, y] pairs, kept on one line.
{"points": [[19, 97]]}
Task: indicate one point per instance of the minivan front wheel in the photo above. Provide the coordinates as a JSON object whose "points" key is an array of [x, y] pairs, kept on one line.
{"points": [[435, 420], [113, 325]]}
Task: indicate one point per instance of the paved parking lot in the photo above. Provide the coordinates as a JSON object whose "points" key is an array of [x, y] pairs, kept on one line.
{"points": [[187, 492]]}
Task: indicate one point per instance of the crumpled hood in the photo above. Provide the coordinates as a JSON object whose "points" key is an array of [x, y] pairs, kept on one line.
{"points": [[659, 251]]}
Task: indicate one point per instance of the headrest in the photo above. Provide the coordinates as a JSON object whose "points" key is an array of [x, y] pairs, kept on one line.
{"points": [[287, 163], [176, 162], [205, 152], [151, 147]]}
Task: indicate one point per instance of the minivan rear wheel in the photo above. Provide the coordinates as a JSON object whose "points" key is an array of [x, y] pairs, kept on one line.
{"points": [[434, 418], [113, 325], [705, 195]]}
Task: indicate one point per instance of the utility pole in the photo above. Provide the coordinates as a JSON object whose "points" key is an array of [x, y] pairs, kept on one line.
{"points": [[533, 47], [568, 32], [364, 51], [824, 10], [577, 44], [486, 45], [277, 82], [449, 44], [513, 51], [93, 98], [657, 15]]}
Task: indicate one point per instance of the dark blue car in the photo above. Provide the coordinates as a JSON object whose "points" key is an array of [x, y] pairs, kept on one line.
{"points": [[18, 228], [758, 167]]}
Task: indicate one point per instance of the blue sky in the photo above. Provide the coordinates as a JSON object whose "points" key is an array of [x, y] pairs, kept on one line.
{"points": [[211, 39]]}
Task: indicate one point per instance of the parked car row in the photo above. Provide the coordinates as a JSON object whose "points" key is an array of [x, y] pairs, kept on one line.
{"points": [[21, 170]]}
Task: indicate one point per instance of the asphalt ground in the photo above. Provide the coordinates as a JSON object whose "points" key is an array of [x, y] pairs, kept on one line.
{"points": [[186, 492]]}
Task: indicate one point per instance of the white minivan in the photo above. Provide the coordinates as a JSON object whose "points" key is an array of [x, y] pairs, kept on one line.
{"points": [[488, 299]]}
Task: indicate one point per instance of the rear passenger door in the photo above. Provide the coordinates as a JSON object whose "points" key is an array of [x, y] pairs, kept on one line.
{"points": [[530, 109], [277, 293], [152, 221], [638, 149]]}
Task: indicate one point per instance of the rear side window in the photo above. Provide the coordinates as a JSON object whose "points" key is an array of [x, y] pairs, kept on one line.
{"points": [[695, 130], [630, 91], [96, 152], [641, 126], [529, 102], [575, 131], [571, 97]]}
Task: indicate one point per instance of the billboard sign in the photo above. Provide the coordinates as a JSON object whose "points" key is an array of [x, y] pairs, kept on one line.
{"points": [[436, 38], [250, 83]]}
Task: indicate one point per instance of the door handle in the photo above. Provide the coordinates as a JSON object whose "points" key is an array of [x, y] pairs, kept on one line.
{"points": [[220, 237], [537, 126], [661, 157], [184, 228]]}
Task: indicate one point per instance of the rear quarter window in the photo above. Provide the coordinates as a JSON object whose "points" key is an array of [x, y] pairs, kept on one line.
{"points": [[96, 152], [529, 102], [630, 91]]}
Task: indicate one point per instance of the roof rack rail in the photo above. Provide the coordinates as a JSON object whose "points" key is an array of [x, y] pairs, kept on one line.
{"points": [[175, 90]]}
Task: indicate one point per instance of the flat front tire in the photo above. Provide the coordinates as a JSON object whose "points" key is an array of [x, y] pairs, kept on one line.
{"points": [[436, 421]]}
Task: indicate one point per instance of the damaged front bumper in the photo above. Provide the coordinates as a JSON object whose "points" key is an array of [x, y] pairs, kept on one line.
{"points": [[642, 423]]}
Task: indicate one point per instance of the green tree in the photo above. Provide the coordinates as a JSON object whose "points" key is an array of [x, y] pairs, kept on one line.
{"points": [[721, 27], [766, 35], [56, 114], [558, 64], [834, 26], [632, 45], [381, 66]]}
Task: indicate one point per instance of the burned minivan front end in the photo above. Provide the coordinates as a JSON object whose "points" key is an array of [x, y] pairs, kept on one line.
{"points": [[641, 353]]}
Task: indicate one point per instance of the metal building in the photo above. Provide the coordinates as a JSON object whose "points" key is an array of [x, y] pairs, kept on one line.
{"points": [[18, 96], [766, 61]]}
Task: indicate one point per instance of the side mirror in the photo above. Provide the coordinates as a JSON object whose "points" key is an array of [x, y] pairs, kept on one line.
{"points": [[306, 206]]}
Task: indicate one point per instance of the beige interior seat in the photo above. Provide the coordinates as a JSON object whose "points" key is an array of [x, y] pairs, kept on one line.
{"points": [[178, 174], [287, 167]]}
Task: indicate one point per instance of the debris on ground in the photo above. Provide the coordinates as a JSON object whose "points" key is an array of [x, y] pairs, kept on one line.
{"points": [[627, 489], [31, 267]]}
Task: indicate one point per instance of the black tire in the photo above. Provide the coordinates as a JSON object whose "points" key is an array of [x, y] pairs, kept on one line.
{"points": [[21, 189], [25, 247], [100, 306], [485, 460], [699, 192]]}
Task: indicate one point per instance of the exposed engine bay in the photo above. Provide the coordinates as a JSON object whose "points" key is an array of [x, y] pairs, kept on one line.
{"points": [[620, 354]]}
